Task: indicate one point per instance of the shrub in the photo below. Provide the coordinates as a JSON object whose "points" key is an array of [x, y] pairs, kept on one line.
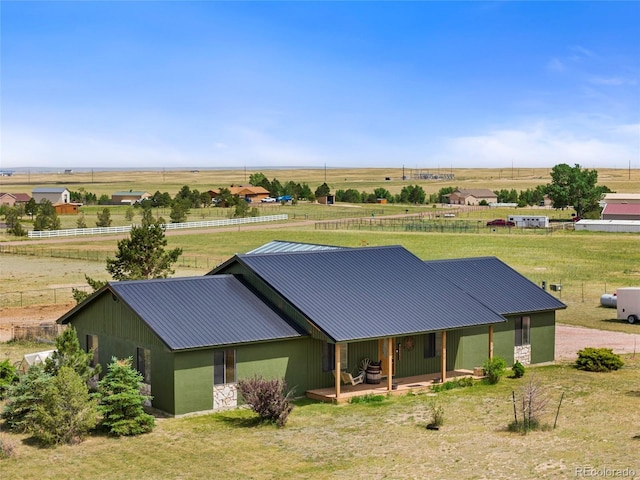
{"points": [[24, 397], [7, 447], [66, 413], [518, 370], [121, 401], [8, 376], [532, 406], [68, 353], [268, 398], [494, 368], [437, 413], [455, 383], [598, 360]]}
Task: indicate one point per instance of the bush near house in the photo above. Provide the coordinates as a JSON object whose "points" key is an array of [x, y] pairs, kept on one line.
{"points": [[268, 398], [494, 369], [598, 360]]}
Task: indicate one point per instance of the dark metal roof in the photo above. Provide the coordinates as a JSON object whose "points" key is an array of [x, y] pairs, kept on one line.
{"points": [[197, 312], [353, 294], [496, 284]]}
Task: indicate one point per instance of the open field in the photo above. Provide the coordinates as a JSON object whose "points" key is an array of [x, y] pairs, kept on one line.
{"points": [[385, 439], [100, 182]]}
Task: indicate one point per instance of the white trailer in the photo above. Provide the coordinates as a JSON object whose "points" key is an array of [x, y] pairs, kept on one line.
{"points": [[628, 304], [530, 221]]}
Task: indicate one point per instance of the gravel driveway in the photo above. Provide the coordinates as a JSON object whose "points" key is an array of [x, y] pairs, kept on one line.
{"points": [[570, 339]]}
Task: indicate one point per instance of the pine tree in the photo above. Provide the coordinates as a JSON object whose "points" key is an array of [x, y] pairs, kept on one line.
{"points": [[142, 255], [67, 411], [69, 354], [121, 401], [24, 397]]}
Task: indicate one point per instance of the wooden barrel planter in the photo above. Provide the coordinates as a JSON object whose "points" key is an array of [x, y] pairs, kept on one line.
{"points": [[374, 373]]}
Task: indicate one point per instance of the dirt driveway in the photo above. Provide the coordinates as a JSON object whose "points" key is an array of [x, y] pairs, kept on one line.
{"points": [[570, 339]]}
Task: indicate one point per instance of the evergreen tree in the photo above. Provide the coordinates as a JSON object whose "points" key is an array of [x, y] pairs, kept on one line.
{"points": [[69, 354], [143, 254], [47, 219], [104, 218], [24, 397], [322, 190], [31, 207], [121, 401], [67, 412]]}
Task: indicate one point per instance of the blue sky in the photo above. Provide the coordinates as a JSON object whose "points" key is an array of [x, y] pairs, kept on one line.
{"points": [[361, 84]]}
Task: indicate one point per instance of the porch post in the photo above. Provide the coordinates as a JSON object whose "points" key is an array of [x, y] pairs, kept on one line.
{"points": [[490, 341], [443, 358], [337, 356], [389, 364]]}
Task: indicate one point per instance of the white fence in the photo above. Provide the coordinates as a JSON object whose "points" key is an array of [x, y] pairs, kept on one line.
{"points": [[74, 232]]}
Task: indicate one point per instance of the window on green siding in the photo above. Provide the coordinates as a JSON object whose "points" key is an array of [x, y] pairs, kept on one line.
{"points": [[523, 331], [329, 356], [92, 346], [224, 366], [143, 363], [430, 345]]}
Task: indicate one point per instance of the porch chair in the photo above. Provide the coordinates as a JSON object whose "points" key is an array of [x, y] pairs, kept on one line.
{"points": [[346, 377]]}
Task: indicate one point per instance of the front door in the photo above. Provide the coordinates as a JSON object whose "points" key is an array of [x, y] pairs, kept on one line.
{"points": [[382, 356]]}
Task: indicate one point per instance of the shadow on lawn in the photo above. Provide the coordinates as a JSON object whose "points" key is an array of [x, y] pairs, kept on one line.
{"points": [[240, 422]]}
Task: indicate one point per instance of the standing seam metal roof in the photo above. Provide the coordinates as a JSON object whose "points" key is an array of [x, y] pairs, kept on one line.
{"points": [[197, 312], [496, 284], [354, 294]]}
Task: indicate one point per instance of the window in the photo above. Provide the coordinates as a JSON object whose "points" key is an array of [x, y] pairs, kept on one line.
{"points": [[224, 366], [329, 357], [430, 345], [92, 346], [143, 362], [523, 328]]}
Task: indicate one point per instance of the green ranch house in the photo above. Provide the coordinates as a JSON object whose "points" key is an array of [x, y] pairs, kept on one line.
{"points": [[303, 312]]}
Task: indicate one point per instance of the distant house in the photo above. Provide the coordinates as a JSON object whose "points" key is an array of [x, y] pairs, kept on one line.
{"points": [[249, 193], [12, 199], [621, 211], [303, 311], [53, 194], [472, 196], [130, 197], [630, 198]]}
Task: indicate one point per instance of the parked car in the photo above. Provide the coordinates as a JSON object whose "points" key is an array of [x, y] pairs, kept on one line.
{"points": [[268, 200], [500, 222]]}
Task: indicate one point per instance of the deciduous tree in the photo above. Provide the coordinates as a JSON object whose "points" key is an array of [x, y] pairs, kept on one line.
{"points": [[575, 187]]}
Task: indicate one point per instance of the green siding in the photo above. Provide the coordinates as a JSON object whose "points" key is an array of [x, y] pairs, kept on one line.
{"points": [[120, 332], [193, 381], [286, 359], [543, 337]]}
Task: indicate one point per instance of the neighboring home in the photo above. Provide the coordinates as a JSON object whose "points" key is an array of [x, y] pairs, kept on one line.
{"points": [[129, 197], [621, 211], [308, 311], [12, 198], [249, 193], [67, 208], [53, 194], [631, 198], [472, 196]]}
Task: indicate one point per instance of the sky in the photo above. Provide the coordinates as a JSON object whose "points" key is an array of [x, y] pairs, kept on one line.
{"points": [[212, 84]]}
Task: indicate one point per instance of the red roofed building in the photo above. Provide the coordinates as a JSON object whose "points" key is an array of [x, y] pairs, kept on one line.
{"points": [[621, 211]]}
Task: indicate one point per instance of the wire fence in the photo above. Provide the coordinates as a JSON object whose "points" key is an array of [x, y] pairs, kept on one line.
{"points": [[428, 224]]}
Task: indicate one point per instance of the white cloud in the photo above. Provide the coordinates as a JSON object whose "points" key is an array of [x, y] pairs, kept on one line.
{"points": [[555, 65], [541, 145], [613, 81]]}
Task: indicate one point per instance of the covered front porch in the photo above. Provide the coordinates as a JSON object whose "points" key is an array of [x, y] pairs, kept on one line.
{"points": [[399, 386], [390, 353]]}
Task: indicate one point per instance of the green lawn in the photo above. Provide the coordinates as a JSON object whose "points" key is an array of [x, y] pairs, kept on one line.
{"points": [[375, 440]]}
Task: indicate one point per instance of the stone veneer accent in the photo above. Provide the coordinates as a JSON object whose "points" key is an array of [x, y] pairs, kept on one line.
{"points": [[522, 354], [225, 396], [145, 389]]}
